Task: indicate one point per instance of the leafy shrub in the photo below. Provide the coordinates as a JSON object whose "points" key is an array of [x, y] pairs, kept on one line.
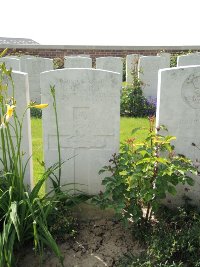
{"points": [[124, 70], [58, 63], [133, 103], [173, 240], [139, 177], [36, 113]]}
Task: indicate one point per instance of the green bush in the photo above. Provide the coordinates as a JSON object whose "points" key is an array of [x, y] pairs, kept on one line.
{"points": [[133, 103], [139, 177], [36, 113], [124, 70], [172, 240], [58, 63]]}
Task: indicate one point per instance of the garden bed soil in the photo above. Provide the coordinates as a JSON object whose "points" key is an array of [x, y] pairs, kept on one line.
{"points": [[98, 243]]}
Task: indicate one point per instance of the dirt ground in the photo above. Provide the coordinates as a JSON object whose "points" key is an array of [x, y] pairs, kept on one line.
{"points": [[98, 243]]}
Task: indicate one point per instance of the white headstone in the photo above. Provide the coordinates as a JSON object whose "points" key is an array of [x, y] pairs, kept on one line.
{"points": [[131, 65], [21, 95], [167, 57], [88, 108], [77, 62], [148, 68], [110, 63], [179, 110], [34, 66], [11, 62], [12, 56], [23, 59], [191, 59]]}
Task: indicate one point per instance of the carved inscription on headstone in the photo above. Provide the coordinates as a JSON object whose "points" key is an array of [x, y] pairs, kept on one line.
{"points": [[191, 91], [88, 102], [178, 108]]}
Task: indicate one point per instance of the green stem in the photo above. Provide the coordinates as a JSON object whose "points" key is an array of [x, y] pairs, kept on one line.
{"points": [[4, 151], [148, 212], [57, 132]]}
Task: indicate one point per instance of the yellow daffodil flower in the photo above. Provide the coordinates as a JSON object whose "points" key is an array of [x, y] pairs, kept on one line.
{"points": [[40, 106], [9, 112]]}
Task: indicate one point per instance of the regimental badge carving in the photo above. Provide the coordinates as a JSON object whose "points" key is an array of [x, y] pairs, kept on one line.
{"points": [[190, 91]]}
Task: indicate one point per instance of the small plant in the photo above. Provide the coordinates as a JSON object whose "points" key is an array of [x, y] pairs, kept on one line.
{"points": [[36, 113], [25, 216], [141, 175], [58, 63], [62, 224]]}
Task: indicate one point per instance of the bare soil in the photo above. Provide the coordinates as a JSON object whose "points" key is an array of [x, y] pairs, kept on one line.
{"points": [[98, 243]]}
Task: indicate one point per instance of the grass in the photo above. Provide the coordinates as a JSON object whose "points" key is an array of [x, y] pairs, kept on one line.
{"points": [[126, 127], [36, 128], [128, 124]]}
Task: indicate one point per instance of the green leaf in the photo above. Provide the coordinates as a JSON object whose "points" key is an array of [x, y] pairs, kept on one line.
{"points": [[14, 218], [4, 52], [34, 193], [148, 197], [143, 152], [190, 181], [46, 237], [169, 138], [135, 130], [181, 172], [162, 160], [172, 190], [161, 194], [163, 127]]}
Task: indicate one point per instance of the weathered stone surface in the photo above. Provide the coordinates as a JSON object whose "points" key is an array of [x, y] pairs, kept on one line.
{"points": [[110, 63], [167, 57], [148, 73], [77, 62], [179, 110], [88, 107], [34, 66], [23, 59], [186, 60], [131, 65]]}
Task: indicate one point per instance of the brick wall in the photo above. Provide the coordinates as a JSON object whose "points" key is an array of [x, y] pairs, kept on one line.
{"points": [[94, 51]]}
